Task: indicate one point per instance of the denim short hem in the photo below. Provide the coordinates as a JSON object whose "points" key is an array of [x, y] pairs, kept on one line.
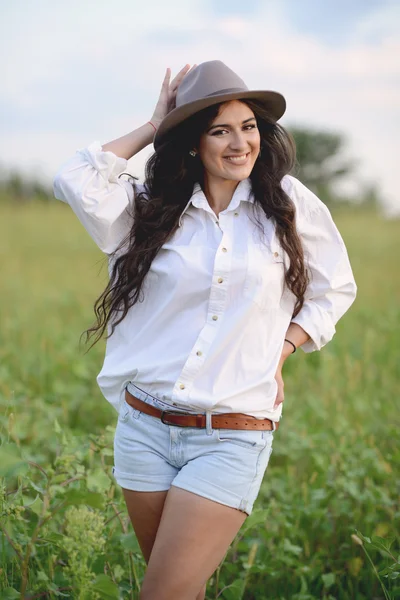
{"points": [[225, 498], [138, 484]]}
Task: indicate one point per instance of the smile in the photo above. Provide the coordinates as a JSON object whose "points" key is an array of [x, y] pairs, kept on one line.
{"points": [[237, 160]]}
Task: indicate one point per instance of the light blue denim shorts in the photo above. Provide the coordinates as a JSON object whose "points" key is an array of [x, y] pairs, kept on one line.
{"points": [[224, 465]]}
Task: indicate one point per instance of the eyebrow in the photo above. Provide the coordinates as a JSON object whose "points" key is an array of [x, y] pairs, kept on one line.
{"points": [[226, 125]]}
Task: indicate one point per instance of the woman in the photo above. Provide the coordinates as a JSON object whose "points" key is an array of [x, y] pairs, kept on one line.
{"points": [[221, 265]]}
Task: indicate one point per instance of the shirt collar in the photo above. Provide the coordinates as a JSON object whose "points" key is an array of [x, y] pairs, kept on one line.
{"points": [[242, 192]]}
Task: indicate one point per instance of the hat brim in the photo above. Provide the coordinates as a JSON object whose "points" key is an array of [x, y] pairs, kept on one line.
{"points": [[274, 103]]}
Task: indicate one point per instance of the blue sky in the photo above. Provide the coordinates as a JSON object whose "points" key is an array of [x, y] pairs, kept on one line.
{"points": [[84, 70]]}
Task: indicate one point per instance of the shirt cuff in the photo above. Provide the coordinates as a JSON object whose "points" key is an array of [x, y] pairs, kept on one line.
{"points": [[106, 163], [317, 323]]}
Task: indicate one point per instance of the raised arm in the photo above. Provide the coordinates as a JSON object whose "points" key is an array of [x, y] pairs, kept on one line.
{"points": [[89, 182], [130, 144]]}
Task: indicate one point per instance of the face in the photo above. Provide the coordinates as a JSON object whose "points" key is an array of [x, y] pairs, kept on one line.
{"points": [[230, 146]]}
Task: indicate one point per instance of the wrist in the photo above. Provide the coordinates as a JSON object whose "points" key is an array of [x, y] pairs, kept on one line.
{"points": [[150, 131], [155, 121], [286, 351]]}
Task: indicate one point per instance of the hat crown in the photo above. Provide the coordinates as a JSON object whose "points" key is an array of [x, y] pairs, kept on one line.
{"points": [[208, 79]]}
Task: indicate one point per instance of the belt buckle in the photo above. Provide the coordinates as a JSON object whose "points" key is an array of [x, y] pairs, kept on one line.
{"points": [[171, 412]]}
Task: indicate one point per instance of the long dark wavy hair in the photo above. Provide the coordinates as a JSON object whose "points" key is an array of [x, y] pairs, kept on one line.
{"points": [[170, 175]]}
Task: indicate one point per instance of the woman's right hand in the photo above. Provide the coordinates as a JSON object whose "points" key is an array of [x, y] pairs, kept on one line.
{"points": [[166, 101]]}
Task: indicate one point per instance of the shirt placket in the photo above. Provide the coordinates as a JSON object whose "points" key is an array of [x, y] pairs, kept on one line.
{"points": [[216, 307]]}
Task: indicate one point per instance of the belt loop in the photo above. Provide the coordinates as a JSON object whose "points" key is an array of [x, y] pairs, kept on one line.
{"points": [[209, 429]]}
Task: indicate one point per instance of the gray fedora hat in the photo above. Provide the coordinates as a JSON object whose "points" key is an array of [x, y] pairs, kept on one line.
{"points": [[210, 83]]}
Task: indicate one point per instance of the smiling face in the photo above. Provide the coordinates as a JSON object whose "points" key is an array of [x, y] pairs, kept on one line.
{"points": [[230, 146]]}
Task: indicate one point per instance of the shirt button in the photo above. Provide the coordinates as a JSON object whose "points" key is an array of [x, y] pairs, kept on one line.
{"points": [[182, 386], [214, 317], [220, 280], [199, 353], [276, 253], [224, 250], [236, 214]]}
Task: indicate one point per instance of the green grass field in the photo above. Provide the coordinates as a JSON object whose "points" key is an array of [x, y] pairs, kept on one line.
{"points": [[334, 470]]}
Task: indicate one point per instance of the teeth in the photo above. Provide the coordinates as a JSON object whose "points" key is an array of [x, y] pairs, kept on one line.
{"points": [[236, 158]]}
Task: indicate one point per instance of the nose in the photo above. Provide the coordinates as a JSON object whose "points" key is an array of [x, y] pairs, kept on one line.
{"points": [[238, 141]]}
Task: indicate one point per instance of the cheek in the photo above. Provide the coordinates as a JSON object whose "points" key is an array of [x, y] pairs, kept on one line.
{"points": [[256, 141], [211, 156]]}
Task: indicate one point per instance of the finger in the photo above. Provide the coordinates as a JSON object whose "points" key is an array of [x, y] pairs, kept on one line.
{"points": [[178, 78], [166, 78], [165, 83]]}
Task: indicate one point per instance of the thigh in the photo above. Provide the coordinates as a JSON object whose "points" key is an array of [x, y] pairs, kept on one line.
{"points": [[193, 537], [145, 510]]}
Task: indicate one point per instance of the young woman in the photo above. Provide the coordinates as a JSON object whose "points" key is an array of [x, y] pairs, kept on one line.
{"points": [[221, 265]]}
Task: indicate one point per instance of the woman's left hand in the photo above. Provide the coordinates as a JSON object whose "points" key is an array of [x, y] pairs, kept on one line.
{"points": [[280, 395]]}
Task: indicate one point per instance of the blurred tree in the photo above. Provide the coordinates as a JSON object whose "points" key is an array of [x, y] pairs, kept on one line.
{"points": [[17, 187], [320, 161]]}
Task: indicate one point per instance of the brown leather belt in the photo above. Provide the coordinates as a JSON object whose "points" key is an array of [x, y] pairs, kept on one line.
{"points": [[218, 421]]}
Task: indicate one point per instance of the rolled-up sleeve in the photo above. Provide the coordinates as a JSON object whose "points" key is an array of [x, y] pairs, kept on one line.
{"points": [[332, 288], [103, 203]]}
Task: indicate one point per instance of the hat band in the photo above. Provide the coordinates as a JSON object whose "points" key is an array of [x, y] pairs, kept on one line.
{"points": [[226, 91]]}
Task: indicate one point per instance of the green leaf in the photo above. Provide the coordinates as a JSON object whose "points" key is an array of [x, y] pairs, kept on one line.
{"points": [[97, 481], [129, 542], [107, 452], [328, 579], [381, 542], [11, 463], [10, 594], [291, 548], [77, 497], [36, 506], [105, 587], [363, 537], [234, 591], [257, 517], [37, 487]]}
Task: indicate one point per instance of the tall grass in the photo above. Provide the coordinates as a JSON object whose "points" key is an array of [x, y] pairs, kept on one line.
{"points": [[326, 522]]}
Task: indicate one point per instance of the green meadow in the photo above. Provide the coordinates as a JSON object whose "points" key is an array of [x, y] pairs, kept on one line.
{"points": [[326, 522]]}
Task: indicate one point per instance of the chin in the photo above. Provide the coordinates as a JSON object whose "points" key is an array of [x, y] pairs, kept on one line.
{"points": [[240, 175], [237, 178]]}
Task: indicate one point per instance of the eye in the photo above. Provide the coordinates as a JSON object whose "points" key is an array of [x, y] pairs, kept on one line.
{"points": [[246, 127], [218, 132]]}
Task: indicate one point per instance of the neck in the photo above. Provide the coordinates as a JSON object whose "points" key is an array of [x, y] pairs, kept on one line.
{"points": [[219, 192]]}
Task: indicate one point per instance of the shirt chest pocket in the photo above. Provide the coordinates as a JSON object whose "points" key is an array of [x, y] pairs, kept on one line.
{"points": [[265, 275]]}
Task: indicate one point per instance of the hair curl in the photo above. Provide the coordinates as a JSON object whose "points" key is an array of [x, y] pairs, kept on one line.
{"points": [[170, 175]]}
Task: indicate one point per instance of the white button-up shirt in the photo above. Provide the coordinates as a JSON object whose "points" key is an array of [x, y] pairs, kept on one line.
{"points": [[210, 331]]}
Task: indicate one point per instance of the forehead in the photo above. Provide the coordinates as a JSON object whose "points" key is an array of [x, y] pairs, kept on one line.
{"points": [[234, 110]]}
